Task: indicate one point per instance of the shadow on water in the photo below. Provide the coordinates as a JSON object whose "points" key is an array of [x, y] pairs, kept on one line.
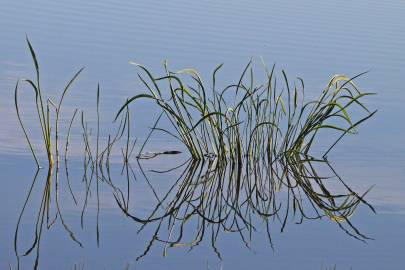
{"points": [[250, 161]]}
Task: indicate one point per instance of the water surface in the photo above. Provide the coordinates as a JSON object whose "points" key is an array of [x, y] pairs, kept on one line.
{"points": [[311, 40]]}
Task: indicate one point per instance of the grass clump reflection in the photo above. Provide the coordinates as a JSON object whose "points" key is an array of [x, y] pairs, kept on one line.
{"points": [[211, 197]]}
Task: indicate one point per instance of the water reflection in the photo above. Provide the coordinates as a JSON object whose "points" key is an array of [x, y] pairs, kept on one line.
{"points": [[208, 198], [212, 197], [45, 218], [330, 46]]}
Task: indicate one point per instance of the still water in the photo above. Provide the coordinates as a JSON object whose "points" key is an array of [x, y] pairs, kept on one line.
{"points": [[312, 40]]}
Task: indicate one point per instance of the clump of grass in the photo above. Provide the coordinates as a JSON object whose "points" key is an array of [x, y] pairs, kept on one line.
{"points": [[262, 120]]}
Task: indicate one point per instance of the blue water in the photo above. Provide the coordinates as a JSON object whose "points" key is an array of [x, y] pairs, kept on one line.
{"points": [[310, 39]]}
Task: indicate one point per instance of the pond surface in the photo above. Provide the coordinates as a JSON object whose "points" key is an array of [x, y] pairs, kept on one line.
{"points": [[310, 40]]}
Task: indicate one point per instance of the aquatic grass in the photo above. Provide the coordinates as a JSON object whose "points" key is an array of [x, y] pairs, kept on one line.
{"points": [[188, 130], [52, 148], [261, 116], [250, 148], [43, 110], [246, 152], [66, 155], [97, 159], [92, 172]]}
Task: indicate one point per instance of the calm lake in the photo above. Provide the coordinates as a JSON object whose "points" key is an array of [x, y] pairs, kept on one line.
{"points": [[312, 40]]}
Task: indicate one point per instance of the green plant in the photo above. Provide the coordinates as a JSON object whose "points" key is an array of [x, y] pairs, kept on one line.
{"points": [[43, 111]]}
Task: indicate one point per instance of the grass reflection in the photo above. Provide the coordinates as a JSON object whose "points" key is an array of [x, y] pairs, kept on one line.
{"points": [[212, 197]]}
